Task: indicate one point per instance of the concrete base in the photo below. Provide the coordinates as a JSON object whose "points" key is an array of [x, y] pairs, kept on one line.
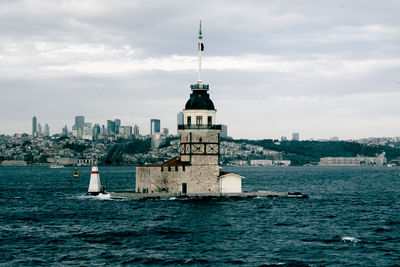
{"points": [[131, 195]]}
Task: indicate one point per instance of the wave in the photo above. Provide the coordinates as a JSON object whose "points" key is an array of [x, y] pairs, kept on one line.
{"points": [[350, 239]]}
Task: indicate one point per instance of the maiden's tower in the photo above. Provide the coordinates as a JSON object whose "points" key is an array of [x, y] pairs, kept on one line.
{"points": [[197, 168]]}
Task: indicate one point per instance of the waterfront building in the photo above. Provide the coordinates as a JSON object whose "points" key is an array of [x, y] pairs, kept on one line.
{"points": [[353, 161], [197, 168], [295, 137], [154, 126], [34, 126]]}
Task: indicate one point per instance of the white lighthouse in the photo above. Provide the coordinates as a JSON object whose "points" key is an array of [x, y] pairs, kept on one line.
{"points": [[95, 184]]}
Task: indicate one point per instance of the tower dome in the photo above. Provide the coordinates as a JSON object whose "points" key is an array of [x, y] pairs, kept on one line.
{"points": [[199, 99]]}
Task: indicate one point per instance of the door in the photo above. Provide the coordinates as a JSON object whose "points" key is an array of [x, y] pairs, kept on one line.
{"points": [[184, 188]]}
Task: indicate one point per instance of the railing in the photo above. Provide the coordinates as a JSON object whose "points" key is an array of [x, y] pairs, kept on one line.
{"points": [[199, 126], [199, 86]]}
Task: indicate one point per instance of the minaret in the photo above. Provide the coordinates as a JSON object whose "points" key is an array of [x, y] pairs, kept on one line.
{"points": [[199, 133]]}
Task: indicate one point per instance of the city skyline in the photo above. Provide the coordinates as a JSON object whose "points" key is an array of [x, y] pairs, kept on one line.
{"points": [[323, 69]]}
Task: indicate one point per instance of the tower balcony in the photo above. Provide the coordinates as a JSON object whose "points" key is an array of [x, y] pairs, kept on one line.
{"points": [[199, 86], [199, 127]]}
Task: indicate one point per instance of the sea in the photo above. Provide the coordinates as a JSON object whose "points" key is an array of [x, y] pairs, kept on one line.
{"points": [[351, 218]]}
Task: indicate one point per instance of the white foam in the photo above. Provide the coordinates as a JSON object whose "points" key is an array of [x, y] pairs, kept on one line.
{"points": [[350, 239], [100, 196]]}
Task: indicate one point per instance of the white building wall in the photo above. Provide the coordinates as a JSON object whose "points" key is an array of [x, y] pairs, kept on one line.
{"points": [[230, 183], [204, 113]]}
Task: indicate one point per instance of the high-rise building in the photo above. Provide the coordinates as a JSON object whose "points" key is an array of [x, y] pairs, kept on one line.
{"points": [[165, 132], [34, 126], [79, 121], [283, 138], [46, 130], [224, 131], [40, 129], [64, 131], [110, 127], [180, 118], [96, 131], [155, 126], [295, 136], [117, 125], [136, 131], [87, 132]]}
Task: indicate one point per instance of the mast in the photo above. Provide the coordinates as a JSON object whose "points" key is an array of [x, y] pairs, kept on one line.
{"points": [[201, 48]]}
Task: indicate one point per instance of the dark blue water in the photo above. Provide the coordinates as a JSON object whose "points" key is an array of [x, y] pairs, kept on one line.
{"points": [[351, 218]]}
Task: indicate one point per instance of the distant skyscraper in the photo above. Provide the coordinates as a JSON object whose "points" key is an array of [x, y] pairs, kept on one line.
{"points": [[295, 136], [180, 118], [283, 138], [96, 130], [165, 131], [117, 125], [154, 126], [64, 131], [136, 131], [34, 126], [224, 131], [40, 129], [46, 130], [110, 127], [79, 121]]}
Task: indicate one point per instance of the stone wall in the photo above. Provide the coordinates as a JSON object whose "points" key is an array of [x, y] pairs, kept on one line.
{"points": [[199, 179]]}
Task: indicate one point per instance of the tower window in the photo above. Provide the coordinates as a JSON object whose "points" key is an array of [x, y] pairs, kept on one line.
{"points": [[189, 120], [199, 120], [209, 120]]}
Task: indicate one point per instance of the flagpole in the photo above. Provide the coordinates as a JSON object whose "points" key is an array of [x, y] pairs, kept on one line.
{"points": [[200, 48]]}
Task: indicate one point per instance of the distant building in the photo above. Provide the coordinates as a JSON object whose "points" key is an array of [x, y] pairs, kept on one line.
{"points": [[110, 127], [224, 131], [283, 138], [64, 131], [157, 140], [335, 139], [126, 132], [87, 131], [96, 131], [40, 129], [353, 161], [34, 126], [136, 131], [155, 126], [295, 137], [46, 130], [261, 162], [79, 121], [117, 125], [165, 131], [180, 118]]}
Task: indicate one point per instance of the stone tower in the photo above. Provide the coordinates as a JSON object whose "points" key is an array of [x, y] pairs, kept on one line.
{"points": [[196, 170]]}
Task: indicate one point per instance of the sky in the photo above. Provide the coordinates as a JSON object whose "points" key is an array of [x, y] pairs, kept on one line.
{"points": [[320, 68]]}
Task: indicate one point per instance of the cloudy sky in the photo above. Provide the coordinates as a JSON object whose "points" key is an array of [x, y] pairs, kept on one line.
{"points": [[320, 68]]}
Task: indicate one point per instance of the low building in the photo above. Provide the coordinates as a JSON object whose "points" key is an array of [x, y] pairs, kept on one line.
{"points": [[353, 161], [261, 162]]}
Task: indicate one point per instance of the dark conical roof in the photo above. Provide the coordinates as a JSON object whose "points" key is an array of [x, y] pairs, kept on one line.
{"points": [[199, 99]]}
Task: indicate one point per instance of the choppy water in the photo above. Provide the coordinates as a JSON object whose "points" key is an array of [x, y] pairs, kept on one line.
{"points": [[351, 218]]}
